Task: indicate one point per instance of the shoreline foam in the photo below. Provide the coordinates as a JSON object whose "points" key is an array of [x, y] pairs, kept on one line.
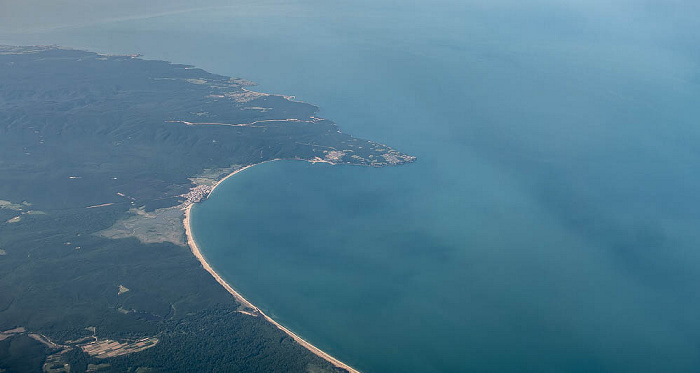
{"points": [[244, 302]]}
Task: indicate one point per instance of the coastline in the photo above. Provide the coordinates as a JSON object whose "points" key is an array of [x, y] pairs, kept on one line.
{"points": [[256, 312]]}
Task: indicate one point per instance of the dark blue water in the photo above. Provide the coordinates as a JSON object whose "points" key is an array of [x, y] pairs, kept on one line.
{"points": [[550, 223]]}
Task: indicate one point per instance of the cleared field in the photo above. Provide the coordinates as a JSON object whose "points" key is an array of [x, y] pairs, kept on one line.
{"points": [[108, 348]]}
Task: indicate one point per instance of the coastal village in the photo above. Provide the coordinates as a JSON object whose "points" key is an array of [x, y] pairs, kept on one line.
{"points": [[197, 194]]}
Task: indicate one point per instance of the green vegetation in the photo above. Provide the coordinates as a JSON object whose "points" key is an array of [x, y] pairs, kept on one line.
{"points": [[250, 345], [78, 129], [21, 354]]}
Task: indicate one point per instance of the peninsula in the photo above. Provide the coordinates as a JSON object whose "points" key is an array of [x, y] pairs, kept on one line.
{"points": [[101, 158]]}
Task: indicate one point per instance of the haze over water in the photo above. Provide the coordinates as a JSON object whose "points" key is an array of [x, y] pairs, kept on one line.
{"points": [[550, 222]]}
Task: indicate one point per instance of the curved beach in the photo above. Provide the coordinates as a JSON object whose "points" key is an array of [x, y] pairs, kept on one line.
{"points": [[244, 302]]}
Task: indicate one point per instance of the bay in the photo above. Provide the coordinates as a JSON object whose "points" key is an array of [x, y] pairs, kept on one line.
{"points": [[550, 222]]}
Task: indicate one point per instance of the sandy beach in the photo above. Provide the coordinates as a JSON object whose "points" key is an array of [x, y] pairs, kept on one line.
{"points": [[252, 310]]}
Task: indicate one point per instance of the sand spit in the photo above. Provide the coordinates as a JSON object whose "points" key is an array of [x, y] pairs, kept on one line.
{"points": [[250, 308]]}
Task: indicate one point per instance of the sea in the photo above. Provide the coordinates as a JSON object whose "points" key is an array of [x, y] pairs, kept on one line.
{"points": [[551, 222]]}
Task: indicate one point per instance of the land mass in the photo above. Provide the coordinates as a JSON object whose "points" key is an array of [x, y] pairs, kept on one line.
{"points": [[100, 158]]}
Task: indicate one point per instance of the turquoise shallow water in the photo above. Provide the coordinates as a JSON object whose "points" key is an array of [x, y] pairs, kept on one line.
{"points": [[550, 223]]}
